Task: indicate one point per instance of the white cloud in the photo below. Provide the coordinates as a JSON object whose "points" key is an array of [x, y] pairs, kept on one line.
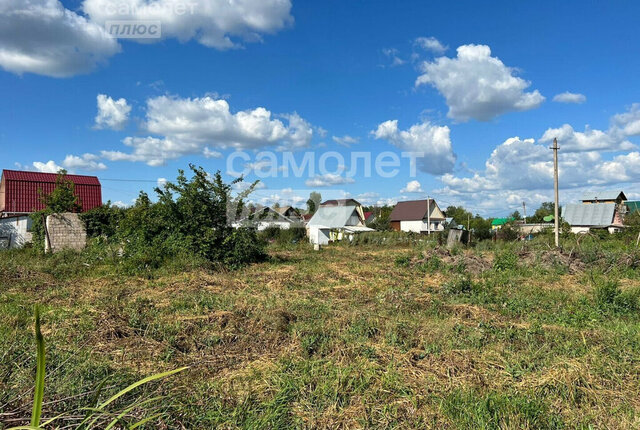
{"points": [[48, 167], [161, 182], [477, 85], [412, 187], [42, 37], [368, 198], [345, 140], [216, 24], [628, 123], [431, 140], [328, 180], [589, 140], [120, 204], [112, 113], [430, 44], [568, 97], [393, 55], [83, 162], [204, 125], [211, 154]]}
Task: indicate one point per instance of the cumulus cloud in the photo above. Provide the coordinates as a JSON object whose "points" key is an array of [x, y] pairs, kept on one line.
{"points": [[216, 24], [328, 180], [430, 44], [345, 140], [48, 167], [628, 123], [477, 85], [588, 140], [83, 162], [568, 97], [431, 140], [412, 187], [205, 125], [42, 37], [112, 113]]}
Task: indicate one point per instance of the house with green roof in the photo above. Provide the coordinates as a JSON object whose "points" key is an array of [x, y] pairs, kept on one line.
{"points": [[497, 223]]}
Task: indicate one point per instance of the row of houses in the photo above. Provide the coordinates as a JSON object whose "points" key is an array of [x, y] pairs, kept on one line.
{"points": [[334, 220]]}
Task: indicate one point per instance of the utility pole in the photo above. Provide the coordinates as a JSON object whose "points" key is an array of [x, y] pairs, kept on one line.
{"points": [[524, 210], [428, 215], [468, 222], [555, 187]]}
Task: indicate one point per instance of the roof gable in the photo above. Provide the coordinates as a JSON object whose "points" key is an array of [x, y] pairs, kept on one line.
{"points": [[415, 210], [606, 195]]}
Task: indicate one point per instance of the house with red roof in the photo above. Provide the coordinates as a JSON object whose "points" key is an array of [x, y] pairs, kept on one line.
{"points": [[20, 196]]}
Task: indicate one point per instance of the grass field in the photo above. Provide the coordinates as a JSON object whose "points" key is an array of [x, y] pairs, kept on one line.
{"points": [[403, 336]]}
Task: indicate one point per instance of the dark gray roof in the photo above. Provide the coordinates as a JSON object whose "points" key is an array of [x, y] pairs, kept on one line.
{"points": [[592, 215], [413, 210], [591, 196]]}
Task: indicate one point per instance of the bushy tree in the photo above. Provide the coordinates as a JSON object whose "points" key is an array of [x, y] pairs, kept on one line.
{"points": [[381, 220], [62, 199], [545, 209], [314, 201], [193, 216], [103, 220]]}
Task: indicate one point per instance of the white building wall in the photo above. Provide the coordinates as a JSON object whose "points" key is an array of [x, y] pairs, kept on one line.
{"points": [[14, 231], [421, 226], [283, 225], [318, 236]]}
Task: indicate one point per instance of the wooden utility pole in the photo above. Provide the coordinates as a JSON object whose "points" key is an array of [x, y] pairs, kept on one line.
{"points": [[524, 210], [555, 187], [428, 215]]}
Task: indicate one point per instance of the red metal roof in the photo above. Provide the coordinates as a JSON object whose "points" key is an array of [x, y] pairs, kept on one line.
{"points": [[20, 191], [17, 175]]}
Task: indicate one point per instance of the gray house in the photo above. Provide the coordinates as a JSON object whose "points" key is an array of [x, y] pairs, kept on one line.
{"points": [[336, 221], [584, 217]]}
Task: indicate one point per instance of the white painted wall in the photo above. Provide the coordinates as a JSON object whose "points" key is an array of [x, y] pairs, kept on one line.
{"points": [[14, 231], [421, 226], [319, 236]]}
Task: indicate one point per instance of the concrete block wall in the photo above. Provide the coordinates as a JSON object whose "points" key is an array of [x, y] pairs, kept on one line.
{"points": [[65, 231]]}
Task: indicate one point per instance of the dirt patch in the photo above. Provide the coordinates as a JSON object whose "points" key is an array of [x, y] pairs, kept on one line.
{"points": [[472, 263], [553, 258]]}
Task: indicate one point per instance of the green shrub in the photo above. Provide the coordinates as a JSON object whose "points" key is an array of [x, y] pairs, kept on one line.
{"points": [[459, 285], [505, 260], [609, 296], [403, 261]]}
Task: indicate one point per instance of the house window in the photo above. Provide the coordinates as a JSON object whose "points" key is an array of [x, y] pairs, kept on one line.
{"points": [[29, 224]]}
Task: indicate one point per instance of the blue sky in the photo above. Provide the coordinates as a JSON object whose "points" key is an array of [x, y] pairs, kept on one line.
{"points": [[463, 81]]}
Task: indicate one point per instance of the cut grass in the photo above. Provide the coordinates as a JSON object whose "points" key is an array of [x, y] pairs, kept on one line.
{"points": [[348, 337]]}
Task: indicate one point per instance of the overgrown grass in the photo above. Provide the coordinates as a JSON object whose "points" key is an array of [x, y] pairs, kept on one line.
{"points": [[504, 336]]}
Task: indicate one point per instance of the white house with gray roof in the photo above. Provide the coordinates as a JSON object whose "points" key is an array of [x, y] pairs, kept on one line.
{"points": [[584, 217], [335, 222]]}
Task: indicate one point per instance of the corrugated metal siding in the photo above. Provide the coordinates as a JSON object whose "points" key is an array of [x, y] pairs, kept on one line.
{"points": [[594, 215], [24, 196], [18, 175]]}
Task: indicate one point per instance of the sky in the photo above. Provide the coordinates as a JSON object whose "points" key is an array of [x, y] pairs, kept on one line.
{"points": [[468, 96]]}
